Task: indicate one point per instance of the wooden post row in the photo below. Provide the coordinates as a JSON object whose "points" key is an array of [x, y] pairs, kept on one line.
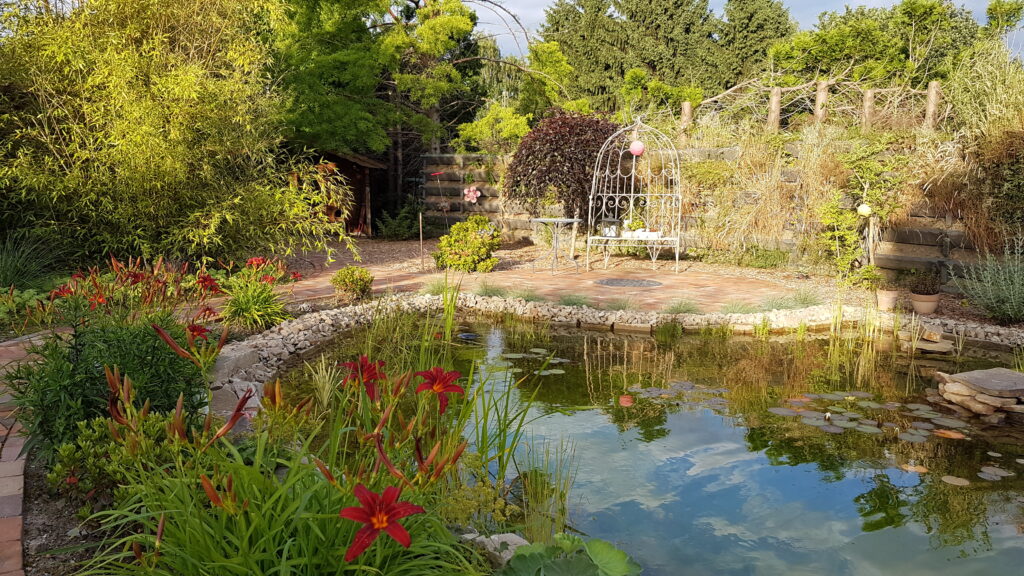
{"points": [[820, 101], [931, 111], [869, 109]]}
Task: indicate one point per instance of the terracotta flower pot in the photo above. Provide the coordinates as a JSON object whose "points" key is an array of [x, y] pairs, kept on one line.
{"points": [[886, 299], [924, 303]]}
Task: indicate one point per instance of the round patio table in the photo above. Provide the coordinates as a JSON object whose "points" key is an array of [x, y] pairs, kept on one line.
{"points": [[557, 226]]}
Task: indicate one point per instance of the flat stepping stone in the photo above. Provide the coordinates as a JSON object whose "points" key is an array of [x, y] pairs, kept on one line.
{"points": [[956, 481], [1001, 382], [949, 422]]}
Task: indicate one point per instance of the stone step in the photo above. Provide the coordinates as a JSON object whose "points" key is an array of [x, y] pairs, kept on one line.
{"points": [[458, 188], [927, 231], [462, 160], [899, 256], [456, 174]]}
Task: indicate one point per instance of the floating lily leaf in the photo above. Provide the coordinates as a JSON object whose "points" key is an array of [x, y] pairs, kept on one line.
{"points": [[513, 355], [995, 454], [950, 422], [914, 438], [845, 424], [538, 351], [555, 371], [956, 481], [869, 429], [869, 422], [809, 395], [951, 434], [542, 372], [922, 407], [812, 414], [861, 394], [869, 404], [515, 370], [816, 422], [784, 411], [989, 477], [1020, 460], [831, 396], [923, 425], [831, 429], [914, 468], [835, 408], [891, 425]]}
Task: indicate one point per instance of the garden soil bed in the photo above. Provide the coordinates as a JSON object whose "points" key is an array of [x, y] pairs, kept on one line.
{"points": [[51, 523]]}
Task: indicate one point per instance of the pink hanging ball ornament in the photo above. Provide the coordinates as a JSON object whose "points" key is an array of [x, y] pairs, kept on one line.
{"points": [[637, 148]]}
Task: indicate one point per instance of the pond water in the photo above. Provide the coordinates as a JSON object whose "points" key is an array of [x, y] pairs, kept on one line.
{"points": [[712, 455]]}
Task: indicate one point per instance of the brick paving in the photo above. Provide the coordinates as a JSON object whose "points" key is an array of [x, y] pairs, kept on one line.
{"points": [[709, 290]]}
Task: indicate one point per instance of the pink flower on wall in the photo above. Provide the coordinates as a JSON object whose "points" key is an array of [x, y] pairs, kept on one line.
{"points": [[471, 194]]}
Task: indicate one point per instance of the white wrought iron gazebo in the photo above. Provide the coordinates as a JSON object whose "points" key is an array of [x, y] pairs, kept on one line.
{"points": [[636, 198]]}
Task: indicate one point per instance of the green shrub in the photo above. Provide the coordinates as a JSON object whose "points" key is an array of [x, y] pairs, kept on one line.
{"points": [[800, 299], [13, 302], [997, 284], [354, 282], [469, 247], [254, 305], [620, 304], [402, 226], [924, 282], [528, 294], [68, 384], [26, 261]]}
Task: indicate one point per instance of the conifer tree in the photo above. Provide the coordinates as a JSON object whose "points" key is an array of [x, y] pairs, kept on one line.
{"points": [[751, 27]]}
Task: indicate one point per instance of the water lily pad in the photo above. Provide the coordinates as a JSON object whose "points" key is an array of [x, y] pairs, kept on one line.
{"points": [[989, 477], [869, 429], [995, 454], [835, 408], [816, 422], [809, 395], [869, 422], [929, 414], [845, 424], [949, 422], [852, 415], [861, 394], [869, 404], [996, 471], [542, 372], [812, 414], [956, 481], [1020, 460], [833, 429], [916, 468], [468, 336], [556, 371], [784, 411], [923, 425], [831, 396], [913, 438], [951, 434], [538, 350], [892, 406], [918, 407], [513, 355]]}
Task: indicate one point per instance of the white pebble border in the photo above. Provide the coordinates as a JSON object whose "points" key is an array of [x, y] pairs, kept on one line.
{"points": [[258, 359]]}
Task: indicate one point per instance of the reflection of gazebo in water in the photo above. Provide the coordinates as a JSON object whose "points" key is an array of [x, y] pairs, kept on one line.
{"points": [[635, 198]]}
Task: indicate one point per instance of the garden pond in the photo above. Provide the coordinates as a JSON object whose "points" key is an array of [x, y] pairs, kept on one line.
{"points": [[711, 454]]}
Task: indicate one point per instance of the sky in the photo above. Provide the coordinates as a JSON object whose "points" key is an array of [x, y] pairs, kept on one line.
{"points": [[531, 13]]}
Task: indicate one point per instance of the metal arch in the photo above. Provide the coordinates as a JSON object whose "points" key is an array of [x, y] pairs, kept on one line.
{"points": [[643, 188]]}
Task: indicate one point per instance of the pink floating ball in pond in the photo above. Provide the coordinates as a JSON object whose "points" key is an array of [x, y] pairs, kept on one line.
{"points": [[625, 401], [637, 148]]}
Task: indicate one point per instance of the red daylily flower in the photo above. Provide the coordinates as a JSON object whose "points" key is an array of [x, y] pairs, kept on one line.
{"points": [[209, 283], [366, 372], [256, 262], [268, 279], [198, 331], [61, 291], [78, 276], [96, 300], [441, 383], [379, 512], [296, 276]]}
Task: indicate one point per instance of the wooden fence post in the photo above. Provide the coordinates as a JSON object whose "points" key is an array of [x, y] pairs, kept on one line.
{"points": [[686, 121], [931, 111], [820, 100], [869, 110], [775, 109]]}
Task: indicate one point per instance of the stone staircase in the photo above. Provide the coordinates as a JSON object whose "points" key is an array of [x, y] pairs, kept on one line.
{"points": [[446, 176], [926, 241]]}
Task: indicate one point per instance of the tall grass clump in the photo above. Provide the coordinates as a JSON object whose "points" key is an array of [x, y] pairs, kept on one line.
{"points": [[254, 306], [26, 261], [490, 290], [528, 294], [997, 284], [621, 304], [800, 299], [739, 308], [576, 300], [682, 306], [435, 287]]}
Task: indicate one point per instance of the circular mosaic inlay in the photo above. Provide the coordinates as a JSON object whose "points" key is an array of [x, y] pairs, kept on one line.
{"points": [[628, 283]]}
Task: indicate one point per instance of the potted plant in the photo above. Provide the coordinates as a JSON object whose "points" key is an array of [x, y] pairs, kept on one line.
{"points": [[924, 292], [887, 293]]}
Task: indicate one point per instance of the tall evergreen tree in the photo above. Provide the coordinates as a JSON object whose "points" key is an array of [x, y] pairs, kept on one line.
{"points": [[594, 41], [675, 41], [751, 27]]}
